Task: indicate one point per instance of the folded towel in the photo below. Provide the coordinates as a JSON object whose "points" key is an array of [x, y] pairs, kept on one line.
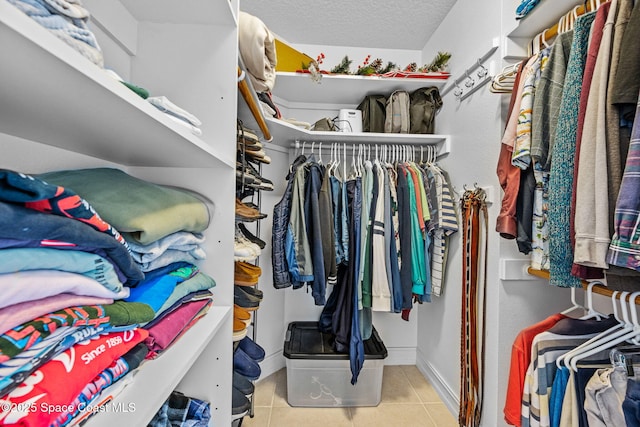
{"points": [[163, 104], [194, 130], [525, 7]]}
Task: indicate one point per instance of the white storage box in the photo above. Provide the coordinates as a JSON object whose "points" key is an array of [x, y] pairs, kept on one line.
{"points": [[317, 376]]}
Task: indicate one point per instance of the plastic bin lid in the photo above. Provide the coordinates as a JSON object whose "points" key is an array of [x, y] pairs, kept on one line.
{"points": [[305, 341]]}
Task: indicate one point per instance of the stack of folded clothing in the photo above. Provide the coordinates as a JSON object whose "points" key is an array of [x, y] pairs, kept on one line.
{"points": [[525, 7], [67, 20], [125, 270]]}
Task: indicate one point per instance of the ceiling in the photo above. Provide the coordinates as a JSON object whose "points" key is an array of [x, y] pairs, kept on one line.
{"points": [[402, 24]]}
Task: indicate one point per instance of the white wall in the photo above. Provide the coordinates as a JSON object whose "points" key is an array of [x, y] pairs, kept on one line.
{"points": [[270, 318], [476, 125]]}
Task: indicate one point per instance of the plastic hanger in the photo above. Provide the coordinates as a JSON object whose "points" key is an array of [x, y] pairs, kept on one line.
{"points": [[354, 168], [630, 335], [591, 312], [624, 325], [575, 305], [344, 161]]}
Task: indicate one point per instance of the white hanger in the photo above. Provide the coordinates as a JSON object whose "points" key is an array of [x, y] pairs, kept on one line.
{"points": [[354, 168], [591, 312], [304, 143], [629, 335], [344, 161], [320, 153], [575, 305], [624, 325]]}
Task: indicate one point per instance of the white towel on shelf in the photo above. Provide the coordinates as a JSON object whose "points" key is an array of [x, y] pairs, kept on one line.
{"points": [[163, 104]]}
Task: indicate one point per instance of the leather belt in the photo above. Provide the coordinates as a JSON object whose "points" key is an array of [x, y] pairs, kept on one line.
{"points": [[472, 337]]}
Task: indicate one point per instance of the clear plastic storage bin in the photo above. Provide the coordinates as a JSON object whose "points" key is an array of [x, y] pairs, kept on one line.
{"points": [[317, 376]]}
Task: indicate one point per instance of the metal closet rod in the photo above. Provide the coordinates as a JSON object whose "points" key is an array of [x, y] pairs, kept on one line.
{"points": [[327, 145], [468, 71]]}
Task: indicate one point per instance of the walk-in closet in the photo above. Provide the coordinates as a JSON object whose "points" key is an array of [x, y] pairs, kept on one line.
{"points": [[273, 214]]}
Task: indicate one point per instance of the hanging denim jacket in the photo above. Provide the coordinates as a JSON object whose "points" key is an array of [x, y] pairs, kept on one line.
{"points": [[281, 217]]}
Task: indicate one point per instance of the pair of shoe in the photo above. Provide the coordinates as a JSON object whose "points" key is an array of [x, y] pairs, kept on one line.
{"points": [[241, 394], [257, 156], [251, 348], [245, 365], [251, 237], [248, 175], [239, 329], [245, 274], [247, 213], [247, 297], [244, 249], [241, 320], [248, 139], [246, 356], [240, 404]]}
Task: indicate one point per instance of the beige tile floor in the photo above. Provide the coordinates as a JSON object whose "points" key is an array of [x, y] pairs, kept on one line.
{"points": [[408, 400]]}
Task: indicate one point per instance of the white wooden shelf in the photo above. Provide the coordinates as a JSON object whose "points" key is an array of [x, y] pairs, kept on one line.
{"points": [[156, 379], [82, 109], [342, 89], [541, 17], [284, 134]]}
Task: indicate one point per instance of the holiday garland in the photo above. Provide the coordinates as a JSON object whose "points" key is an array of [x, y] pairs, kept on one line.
{"points": [[375, 67]]}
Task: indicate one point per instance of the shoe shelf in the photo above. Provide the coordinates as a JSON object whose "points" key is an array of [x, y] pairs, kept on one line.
{"points": [[156, 379], [100, 117]]}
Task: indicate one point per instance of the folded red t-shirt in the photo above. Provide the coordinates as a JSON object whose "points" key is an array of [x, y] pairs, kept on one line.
{"points": [[49, 391]]}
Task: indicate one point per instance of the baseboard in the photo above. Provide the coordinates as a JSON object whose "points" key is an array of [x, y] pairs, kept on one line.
{"points": [[272, 364], [449, 397], [395, 356], [400, 356]]}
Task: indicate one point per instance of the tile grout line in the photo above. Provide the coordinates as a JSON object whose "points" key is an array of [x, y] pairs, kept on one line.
{"points": [[424, 406], [411, 385]]}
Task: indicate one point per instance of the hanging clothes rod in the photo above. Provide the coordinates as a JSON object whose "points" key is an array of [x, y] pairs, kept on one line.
{"points": [[596, 288], [554, 30], [467, 72], [442, 147]]}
